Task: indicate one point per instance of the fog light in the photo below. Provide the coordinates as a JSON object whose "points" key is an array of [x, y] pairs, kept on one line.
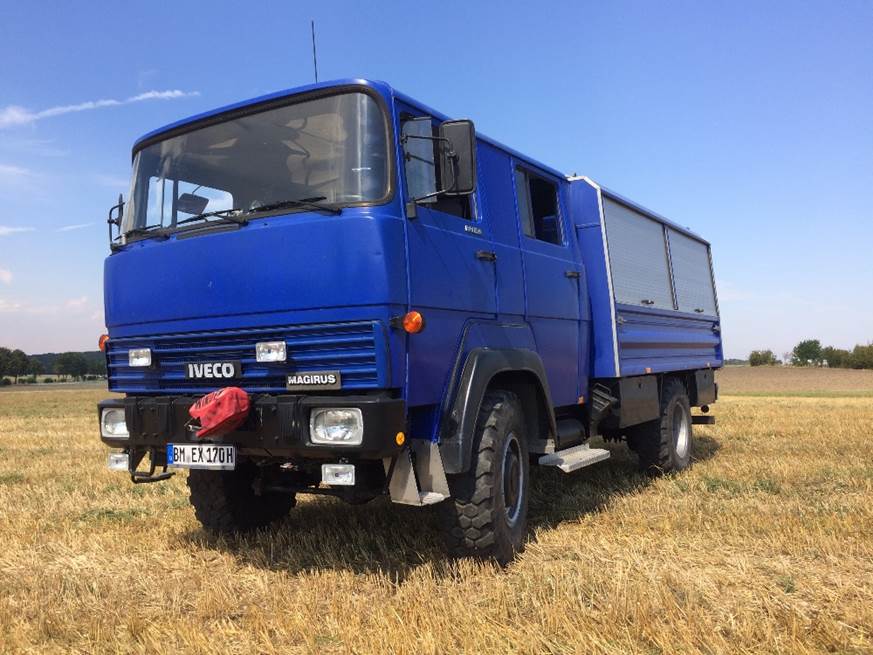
{"points": [[139, 357], [112, 423], [341, 425], [270, 351], [117, 462], [341, 475]]}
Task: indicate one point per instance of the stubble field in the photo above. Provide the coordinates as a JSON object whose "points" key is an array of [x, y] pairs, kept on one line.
{"points": [[765, 545]]}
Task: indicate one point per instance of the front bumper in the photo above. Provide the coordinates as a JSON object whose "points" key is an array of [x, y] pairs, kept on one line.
{"points": [[277, 426]]}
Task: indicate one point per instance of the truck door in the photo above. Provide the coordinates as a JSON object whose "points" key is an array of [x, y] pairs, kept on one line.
{"points": [[552, 278], [450, 257]]}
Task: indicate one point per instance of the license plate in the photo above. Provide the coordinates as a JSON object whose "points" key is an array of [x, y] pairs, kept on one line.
{"points": [[220, 457]]}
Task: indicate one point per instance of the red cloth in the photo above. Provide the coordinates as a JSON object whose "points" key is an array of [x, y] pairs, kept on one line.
{"points": [[221, 411]]}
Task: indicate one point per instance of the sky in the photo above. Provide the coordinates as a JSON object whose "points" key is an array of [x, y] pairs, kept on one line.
{"points": [[749, 122]]}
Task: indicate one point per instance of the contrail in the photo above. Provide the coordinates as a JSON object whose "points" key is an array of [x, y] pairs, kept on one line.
{"points": [[13, 115]]}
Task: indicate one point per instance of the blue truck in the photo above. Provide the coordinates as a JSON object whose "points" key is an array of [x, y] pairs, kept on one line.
{"points": [[412, 309]]}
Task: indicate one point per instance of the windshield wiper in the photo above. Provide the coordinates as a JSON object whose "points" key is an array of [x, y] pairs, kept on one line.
{"points": [[229, 214], [309, 203], [236, 215], [156, 230]]}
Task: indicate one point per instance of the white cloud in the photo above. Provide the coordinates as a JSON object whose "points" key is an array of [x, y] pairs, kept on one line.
{"points": [[7, 306], [18, 307], [71, 307], [14, 115], [6, 230], [5, 276], [10, 173], [70, 228], [76, 303]]}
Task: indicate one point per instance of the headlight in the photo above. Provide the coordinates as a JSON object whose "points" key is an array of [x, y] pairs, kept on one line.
{"points": [[112, 423], [139, 357], [270, 351], [344, 425]]}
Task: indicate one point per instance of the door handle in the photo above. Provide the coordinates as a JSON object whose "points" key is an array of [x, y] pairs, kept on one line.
{"points": [[573, 275], [486, 255]]}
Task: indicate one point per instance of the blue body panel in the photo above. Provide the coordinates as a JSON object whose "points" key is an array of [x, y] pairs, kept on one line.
{"points": [[329, 286]]}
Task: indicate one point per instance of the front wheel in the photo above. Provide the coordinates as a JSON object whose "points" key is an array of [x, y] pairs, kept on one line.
{"points": [[225, 502], [664, 445], [487, 515]]}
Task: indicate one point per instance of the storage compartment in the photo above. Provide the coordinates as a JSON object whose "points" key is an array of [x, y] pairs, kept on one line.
{"points": [[651, 287]]}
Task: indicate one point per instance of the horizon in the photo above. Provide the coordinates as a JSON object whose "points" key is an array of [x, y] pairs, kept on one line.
{"points": [[750, 127]]}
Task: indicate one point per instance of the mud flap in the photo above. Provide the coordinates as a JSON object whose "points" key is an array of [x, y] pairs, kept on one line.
{"points": [[418, 477]]}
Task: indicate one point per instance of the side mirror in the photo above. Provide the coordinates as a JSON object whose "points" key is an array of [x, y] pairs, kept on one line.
{"points": [[457, 157], [116, 213]]}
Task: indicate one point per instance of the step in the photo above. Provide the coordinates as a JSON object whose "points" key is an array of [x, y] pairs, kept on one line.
{"points": [[431, 497], [574, 458]]}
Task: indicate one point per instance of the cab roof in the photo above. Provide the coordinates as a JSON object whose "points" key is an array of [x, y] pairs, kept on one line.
{"points": [[382, 88]]}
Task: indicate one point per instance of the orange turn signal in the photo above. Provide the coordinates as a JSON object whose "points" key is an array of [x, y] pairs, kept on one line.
{"points": [[101, 342], [400, 439], [413, 322]]}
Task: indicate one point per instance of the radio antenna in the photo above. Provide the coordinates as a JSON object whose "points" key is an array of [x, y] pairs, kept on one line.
{"points": [[314, 55]]}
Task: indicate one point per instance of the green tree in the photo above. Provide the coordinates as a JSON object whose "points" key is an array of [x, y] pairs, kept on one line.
{"points": [[97, 366], [71, 364], [5, 355], [836, 357], [763, 358], [806, 353], [18, 362], [34, 366], [862, 356]]}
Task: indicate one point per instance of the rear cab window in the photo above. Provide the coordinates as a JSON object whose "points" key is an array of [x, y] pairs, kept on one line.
{"points": [[538, 207]]}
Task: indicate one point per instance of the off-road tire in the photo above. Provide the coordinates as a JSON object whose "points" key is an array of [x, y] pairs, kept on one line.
{"points": [[664, 445], [225, 501], [475, 521]]}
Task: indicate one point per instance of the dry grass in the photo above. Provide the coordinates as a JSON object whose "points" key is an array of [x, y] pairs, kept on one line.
{"points": [[765, 545]]}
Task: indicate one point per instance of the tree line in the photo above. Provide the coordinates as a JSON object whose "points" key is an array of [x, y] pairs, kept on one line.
{"points": [[810, 352], [15, 364]]}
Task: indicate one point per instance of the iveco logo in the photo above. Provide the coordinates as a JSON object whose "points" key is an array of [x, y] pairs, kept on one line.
{"points": [[315, 380], [213, 370]]}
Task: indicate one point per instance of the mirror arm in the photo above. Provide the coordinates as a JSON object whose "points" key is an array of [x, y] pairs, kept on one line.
{"points": [[115, 220], [451, 155]]}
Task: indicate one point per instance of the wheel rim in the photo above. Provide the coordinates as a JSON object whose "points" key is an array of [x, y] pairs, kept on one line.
{"points": [[680, 431], [513, 479]]}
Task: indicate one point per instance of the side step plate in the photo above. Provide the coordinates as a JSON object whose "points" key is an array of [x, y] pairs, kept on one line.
{"points": [[574, 458]]}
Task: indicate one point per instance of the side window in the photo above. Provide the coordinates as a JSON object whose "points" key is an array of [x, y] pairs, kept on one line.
{"points": [[422, 165], [538, 207]]}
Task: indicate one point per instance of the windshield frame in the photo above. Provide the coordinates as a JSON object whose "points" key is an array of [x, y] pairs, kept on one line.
{"points": [[257, 108]]}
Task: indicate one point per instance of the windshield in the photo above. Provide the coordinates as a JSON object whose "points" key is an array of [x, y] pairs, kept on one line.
{"points": [[332, 149]]}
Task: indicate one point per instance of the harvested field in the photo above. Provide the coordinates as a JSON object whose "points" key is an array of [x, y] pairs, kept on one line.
{"points": [[764, 546], [794, 381]]}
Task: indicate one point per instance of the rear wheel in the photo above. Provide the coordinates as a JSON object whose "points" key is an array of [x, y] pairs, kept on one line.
{"points": [[664, 445], [487, 515], [225, 501]]}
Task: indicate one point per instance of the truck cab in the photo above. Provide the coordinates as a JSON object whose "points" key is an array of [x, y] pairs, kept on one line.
{"points": [[339, 290]]}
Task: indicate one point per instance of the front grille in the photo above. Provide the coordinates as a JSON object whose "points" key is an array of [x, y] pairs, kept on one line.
{"points": [[356, 349]]}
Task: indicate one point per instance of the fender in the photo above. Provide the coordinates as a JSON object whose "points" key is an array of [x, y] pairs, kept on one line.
{"points": [[458, 423]]}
